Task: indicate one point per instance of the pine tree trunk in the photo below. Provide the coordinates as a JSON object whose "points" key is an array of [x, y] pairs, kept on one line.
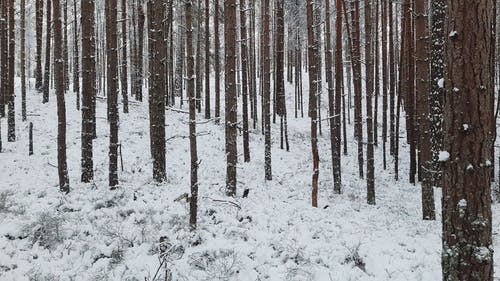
{"points": [[384, 81], [244, 75], [207, 60], [76, 58], [88, 86], [156, 88], [199, 87], [112, 88], [38, 55], [314, 56], [23, 59], [266, 84], [48, 34], [65, 46], [216, 61], [422, 94], [231, 98], [437, 71], [193, 202], [468, 139], [370, 165], [11, 118], [61, 107], [124, 71]]}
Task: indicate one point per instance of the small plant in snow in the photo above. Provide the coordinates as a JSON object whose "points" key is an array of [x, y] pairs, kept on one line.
{"points": [[298, 274], [5, 203], [46, 230], [217, 265], [354, 257]]}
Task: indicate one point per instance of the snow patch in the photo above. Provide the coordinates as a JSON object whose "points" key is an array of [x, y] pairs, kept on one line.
{"points": [[454, 33], [441, 83], [443, 156]]}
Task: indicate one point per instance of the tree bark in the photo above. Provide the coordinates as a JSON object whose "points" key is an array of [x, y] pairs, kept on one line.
{"points": [[468, 140], [88, 87], [62, 166]]}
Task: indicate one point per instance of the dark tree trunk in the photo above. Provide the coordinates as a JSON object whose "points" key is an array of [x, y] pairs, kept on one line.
{"points": [[124, 71], [468, 140], [437, 71], [112, 88], [156, 88], [370, 165], [23, 59], [62, 166], [266, 84], [244, 75], [216, 61], [11, 118], [193, 202], [48, 33], [422, 94], [88, 86], [38, 55], [207, 59], [76, 58], [231, 98], [314, 56]]}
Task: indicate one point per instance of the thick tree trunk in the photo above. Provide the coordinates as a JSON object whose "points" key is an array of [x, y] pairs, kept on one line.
{"points": [[156, 88], [62, 166], [112, 88], [11, 118], [23, 59], [207, 60], [48, 34], [216, 61], [88, 86], [437, 71], [124, 71], [266, 84], [76, 58], [370, 165], [314, 56], [231, 99], [38, 55], [422, 94], [193, 202], [468, 140], [244, 76]]}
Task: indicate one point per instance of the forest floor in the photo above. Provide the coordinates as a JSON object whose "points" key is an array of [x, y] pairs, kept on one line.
{"points": [[93, 233]]}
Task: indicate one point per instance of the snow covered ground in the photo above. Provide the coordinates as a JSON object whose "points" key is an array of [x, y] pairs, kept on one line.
{"points": [[93, 233]]}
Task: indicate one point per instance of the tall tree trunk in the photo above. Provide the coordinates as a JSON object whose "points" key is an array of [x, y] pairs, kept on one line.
{"points": [[193, 202], [314, 56], [199, 87], [468, 139], [65, 46], [244, 75], [339, 76], [207, 59], [422, 94], [23, 59], [384, 81], [156, 89], [216, 61], [370, 165], [38, 55], [112, 88], [62, 166], [88, 86], [11, 118], [48, 33], [231, 98], [437, 71], [356, 68], [124, 71], [334, 141], [76, 58], [266, 84]]}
